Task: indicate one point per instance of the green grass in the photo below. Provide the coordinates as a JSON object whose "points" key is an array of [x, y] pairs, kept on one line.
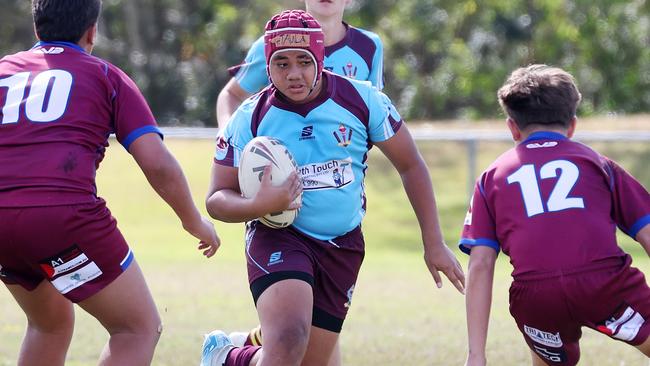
{"points": [[398, 317]]}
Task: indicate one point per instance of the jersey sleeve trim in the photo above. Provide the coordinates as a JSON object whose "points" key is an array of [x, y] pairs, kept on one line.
{"points": [[139, 132], [465, 245], [640, 224]]}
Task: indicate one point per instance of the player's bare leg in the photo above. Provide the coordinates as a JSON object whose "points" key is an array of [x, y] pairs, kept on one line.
{"points": [[285, 311], [50, 324], [321, 342], [537, 361], [335, 359], [645, 347], [127, 311]]}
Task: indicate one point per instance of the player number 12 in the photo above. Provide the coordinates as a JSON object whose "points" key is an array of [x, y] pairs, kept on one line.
{"points": [[559, 199]]}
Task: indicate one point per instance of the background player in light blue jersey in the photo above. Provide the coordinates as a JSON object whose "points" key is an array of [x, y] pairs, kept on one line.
{"points": [[349, 51], [302, 277]]}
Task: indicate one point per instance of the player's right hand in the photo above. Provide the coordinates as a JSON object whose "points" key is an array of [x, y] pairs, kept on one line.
{"points": [[272, 198], [205, 232]]}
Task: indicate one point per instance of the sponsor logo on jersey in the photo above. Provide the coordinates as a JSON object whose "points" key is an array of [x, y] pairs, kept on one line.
{"points": [[545, 338], [275, 258], [326, 175], [349, 294], [307, 133], [49, 50], [349, 70], [343, 135], [624, 324], [537, 145]]}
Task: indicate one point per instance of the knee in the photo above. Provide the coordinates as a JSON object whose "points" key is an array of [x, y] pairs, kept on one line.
{"points": [[60, 323], [291, 342]]}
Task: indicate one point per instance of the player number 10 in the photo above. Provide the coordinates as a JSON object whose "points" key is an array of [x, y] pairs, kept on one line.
{"points": [[46, 100], [559, 199]]}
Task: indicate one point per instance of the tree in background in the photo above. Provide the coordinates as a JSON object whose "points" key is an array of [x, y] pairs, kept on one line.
{"points": [[444, 59]]}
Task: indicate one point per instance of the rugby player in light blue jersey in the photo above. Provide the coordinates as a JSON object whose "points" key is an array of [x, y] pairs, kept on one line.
{"points": [[302, 277], [349, 51]]}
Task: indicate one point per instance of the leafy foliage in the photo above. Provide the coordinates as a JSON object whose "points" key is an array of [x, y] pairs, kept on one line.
{"points": [[443, 58]]}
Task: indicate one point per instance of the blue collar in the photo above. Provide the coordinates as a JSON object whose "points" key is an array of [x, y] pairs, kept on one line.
{"points": [[545, 135], [67, 44]]}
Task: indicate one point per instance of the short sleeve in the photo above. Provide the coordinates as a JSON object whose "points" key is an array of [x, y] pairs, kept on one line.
{"points": [[251, 74], [479, 228], [132, 116], [376, 76], [232, 140], [631, 200], [384, 121]]}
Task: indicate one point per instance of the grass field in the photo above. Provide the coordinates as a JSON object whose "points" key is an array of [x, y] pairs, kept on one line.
{"points": [[398, 317]]}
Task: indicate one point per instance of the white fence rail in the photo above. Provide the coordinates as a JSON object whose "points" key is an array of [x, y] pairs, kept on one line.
{"points": [[471, 138]]}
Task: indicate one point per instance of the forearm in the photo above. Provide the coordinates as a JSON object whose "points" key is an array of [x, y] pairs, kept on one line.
{"points": [[478, 299], [229, 206], [419, 190], [168, 180]]}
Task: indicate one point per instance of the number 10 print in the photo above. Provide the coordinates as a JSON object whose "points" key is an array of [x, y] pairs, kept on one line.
{"points": [[46, 100]]}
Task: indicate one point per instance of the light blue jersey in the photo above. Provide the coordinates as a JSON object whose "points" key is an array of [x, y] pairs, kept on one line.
{"points": [[358, 56], [329, 138]]}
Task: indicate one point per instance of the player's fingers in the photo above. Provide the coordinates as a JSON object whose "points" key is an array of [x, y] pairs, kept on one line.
{"points": [[460, 274], [266, 175], [436, 277]]}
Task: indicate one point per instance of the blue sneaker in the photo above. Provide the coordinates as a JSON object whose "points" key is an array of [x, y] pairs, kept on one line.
{"points": [[216, 346]]}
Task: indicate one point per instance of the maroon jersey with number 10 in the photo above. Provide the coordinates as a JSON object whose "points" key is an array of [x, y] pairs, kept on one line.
{"points": [[58, 106]]}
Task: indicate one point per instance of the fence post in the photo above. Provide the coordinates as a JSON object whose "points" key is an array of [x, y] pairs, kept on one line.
{"points": [[471, 166]]}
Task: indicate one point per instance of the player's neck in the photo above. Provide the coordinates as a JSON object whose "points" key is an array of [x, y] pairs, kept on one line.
{"points": [[334, 30]]}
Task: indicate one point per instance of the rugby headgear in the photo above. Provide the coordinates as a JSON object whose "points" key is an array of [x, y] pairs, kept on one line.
{"points": [[295, 30]]}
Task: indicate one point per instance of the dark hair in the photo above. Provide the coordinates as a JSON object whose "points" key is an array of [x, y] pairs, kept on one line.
{"points": [[64, 20], [540, 95]]}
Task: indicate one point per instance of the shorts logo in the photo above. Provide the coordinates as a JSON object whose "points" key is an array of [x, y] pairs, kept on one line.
{"points": [[343, 135], [553, 356], [545, 338], [350, 292], [307, 133], [70, 269], [623, 325], [275, 258]]}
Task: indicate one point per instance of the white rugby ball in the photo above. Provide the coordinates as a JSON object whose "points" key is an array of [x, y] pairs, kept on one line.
{"points": [[258, 153]]}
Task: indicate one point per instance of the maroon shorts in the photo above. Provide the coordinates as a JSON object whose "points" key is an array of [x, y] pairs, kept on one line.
{"points": [[611, 297], [78, 248], [331, 267]]}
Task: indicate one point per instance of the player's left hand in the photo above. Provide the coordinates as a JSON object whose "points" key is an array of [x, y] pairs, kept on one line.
{"points": [[441, 259]]}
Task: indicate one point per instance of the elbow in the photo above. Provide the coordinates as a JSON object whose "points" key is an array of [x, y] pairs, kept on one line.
{"points": [[481, 265]]}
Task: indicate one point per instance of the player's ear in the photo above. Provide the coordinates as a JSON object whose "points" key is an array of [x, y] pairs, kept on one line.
{"points": [[87, 40], [514, 129], [572, 127]]}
